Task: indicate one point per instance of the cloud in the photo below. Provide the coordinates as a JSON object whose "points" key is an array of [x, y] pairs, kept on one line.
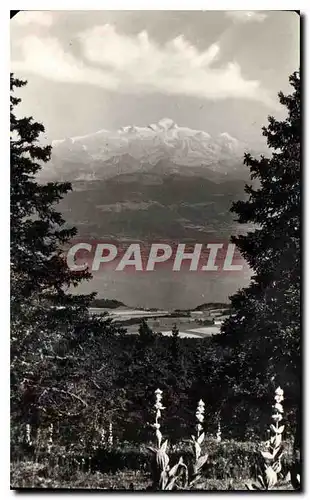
{"points": [[46, 57], [135, 64], [44, 18], [246, 16]]}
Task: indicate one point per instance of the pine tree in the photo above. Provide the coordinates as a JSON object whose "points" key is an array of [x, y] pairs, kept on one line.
{"points": [[175, 345], [48, 322], [175, 331], [39, 274], [264, 327], [145, 332]]}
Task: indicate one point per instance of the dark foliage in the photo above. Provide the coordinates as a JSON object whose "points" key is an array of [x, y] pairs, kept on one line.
{"points": [[54, 341], [263, 330]]}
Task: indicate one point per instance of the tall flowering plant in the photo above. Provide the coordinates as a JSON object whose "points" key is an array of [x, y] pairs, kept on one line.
{"points": [[273, 451], [28, 440], [50, 439], [158, 408], [218, 433], [196, 442], [110, 436], [164, 477]]}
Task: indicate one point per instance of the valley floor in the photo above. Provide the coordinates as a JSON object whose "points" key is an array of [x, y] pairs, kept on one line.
{"points": [[194, 324]]}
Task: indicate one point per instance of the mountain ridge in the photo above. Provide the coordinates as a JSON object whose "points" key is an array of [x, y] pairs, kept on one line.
{"points": [[104, 153]]}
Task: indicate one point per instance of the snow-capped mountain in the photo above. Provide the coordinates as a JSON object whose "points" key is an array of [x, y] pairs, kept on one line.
{"points": [[159, 181], [131, 148]]}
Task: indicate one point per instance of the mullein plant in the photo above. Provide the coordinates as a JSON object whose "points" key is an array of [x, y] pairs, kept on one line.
{"points": [[164, 477], [50, 439], [271, 456], [102, 437], [196, 441], [28, 440], [218, 437], [110, 436]]}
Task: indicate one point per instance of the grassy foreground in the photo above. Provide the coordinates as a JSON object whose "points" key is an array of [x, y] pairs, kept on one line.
{"points": [[200, 463], [32, 475]]}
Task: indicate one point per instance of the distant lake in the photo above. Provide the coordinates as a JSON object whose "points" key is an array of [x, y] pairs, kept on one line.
{"points": [[164, 289]]}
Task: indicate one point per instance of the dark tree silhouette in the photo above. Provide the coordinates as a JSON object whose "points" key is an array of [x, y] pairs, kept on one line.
{"points": [[49, 323], [264, 327]]}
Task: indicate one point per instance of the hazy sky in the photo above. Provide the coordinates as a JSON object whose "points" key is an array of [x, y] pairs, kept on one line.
{"points": [[215, 71]]}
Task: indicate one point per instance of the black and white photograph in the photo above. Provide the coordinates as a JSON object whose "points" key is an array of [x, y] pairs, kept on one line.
{"points": [[155, 250]]}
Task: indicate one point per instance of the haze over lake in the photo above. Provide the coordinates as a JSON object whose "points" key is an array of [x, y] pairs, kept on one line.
{"points": [[166, 289]]}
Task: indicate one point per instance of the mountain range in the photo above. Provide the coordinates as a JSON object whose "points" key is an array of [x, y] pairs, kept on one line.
{"points": [[163, 145], [159, 181]]}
